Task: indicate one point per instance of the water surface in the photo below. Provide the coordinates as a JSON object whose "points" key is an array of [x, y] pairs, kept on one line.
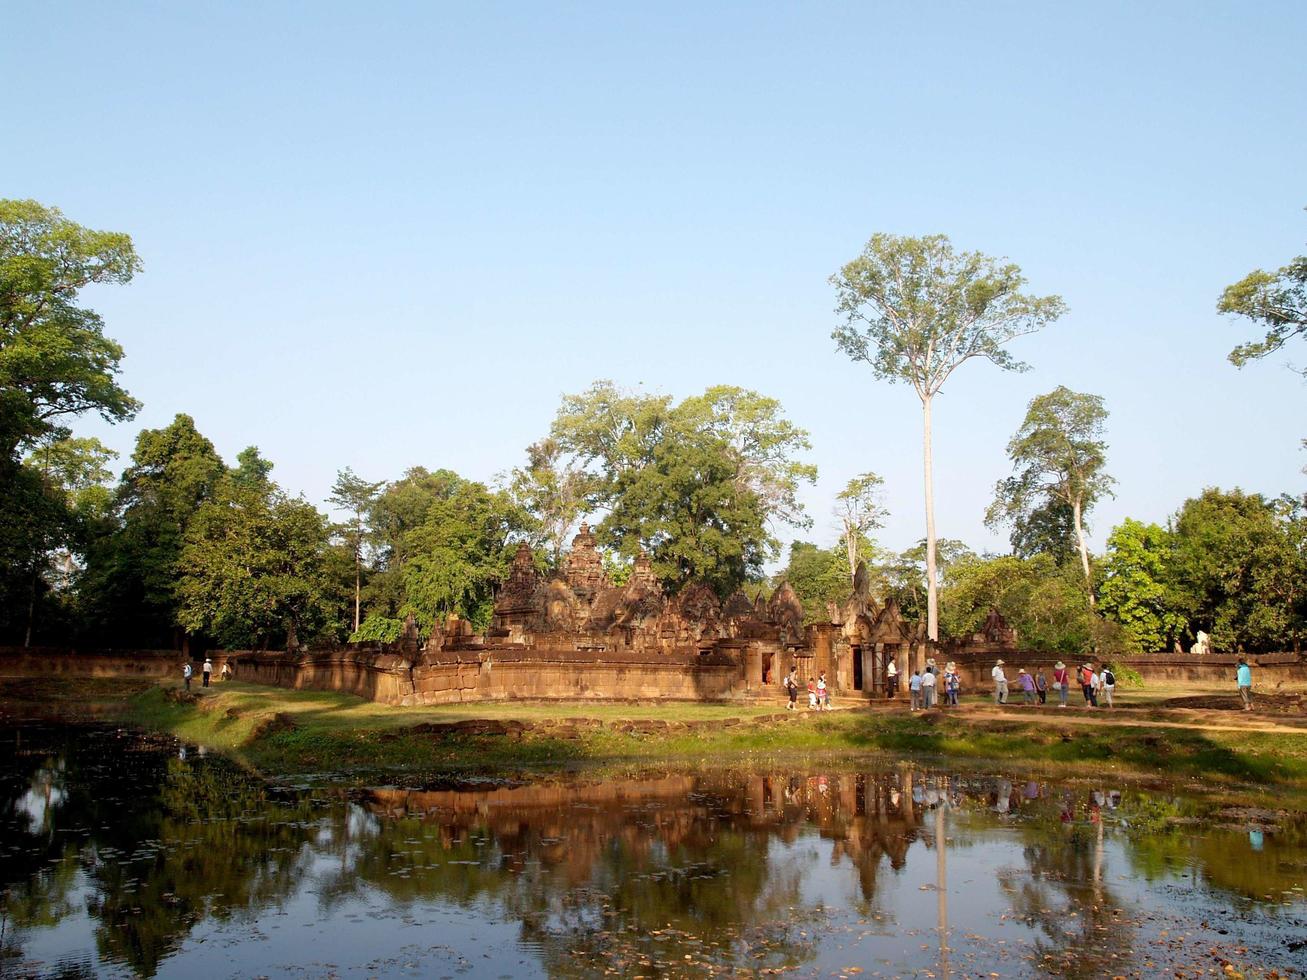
{"points": [[129, 855]]}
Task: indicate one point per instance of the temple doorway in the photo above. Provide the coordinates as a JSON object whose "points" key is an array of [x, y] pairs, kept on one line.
{"points": [[857, 668]]}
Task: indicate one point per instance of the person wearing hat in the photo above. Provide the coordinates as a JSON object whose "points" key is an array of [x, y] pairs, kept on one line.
{"points": [[952, 683], [1061, 680], [1087, 685], [1027, 686], [1000, 683]]}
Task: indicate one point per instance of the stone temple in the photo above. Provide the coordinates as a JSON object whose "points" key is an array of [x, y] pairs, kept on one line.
{"points": [[574, 634]]}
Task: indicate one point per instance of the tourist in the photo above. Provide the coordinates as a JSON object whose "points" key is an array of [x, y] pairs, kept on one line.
{"points": [[823, 692], [952, 683], [1000, 683], [206, 670], [812, 694], [1027, 686], [1243, 676], [1041, 685], [187, 671], [930, 665], [1061, 681], [892, 680], [1108, 684], [225, 671], [1087, 685], [928, 687], [914, 690], [792, 688]]}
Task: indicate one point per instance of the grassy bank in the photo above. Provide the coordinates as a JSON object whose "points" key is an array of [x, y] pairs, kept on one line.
{"points": [[307, 732]]}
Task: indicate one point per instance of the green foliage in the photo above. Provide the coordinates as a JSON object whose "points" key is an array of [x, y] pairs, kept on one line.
{"points": [[355, 496], [1276, 302], [1058, 455], [1239, 569], [915, 309], [905, 574], [1045, 603], [1127, 676], [1134, 590], [818, 576], [443, 545], [129, 589], [696, 485], [1048, 529], [252, 572], [55, 361], [378, 629]]}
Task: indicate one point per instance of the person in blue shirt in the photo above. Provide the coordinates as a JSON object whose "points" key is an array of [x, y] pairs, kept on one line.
{"points": [[1244, 678], [914, 689]]}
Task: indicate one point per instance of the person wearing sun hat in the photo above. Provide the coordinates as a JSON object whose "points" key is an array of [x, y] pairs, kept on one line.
{"points": [[1000, 683], [1060, 681]]}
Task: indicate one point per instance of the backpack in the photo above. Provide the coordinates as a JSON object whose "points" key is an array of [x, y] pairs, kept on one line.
{"points": [[1109, 678]]}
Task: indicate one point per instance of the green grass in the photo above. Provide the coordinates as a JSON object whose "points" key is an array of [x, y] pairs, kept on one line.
{"points": [[342, 734]]}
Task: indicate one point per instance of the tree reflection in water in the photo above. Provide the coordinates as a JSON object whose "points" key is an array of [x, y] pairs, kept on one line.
{"points": [[673, 871]]}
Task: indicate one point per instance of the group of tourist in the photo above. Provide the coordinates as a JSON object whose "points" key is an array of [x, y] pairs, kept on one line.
{"points": [[818, 691], [932, 687], [1097, 684]]}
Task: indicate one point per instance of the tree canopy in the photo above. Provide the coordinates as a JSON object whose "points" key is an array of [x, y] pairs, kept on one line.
{"points": [[698, 485], [1275, 301]]}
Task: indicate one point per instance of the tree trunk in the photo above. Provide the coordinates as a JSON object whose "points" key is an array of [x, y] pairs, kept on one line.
{"points": [[358, 577], [932, 599], [851, 546], [31, 608], [1084, 551]]}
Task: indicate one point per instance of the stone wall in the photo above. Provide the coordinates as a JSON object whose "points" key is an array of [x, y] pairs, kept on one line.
{"points": [[450, 676], [34, 661]]}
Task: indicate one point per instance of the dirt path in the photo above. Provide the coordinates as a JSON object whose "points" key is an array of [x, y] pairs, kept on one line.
{"points": [[1194, 720]]}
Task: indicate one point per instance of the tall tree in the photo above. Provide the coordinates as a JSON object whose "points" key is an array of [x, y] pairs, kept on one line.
{"points": [[131, 576], [55, 361], [1275, 301], [859, 511], [915, 309], [355, 496], [1059, 455], [699, 485]]}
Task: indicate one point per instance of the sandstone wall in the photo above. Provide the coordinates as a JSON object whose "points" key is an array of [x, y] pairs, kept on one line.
{"points": [[497, 674], [35, 661]]}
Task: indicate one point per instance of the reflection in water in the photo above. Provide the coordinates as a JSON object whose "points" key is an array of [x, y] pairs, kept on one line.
{"points": [[122, 853]]}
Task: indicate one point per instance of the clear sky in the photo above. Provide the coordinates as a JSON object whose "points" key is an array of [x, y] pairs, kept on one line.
{"points": [[383, 235]]}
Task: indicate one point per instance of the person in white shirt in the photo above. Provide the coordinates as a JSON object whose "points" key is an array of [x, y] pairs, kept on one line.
{"points": [[1000, 683], [892, 680], [928, 690]]}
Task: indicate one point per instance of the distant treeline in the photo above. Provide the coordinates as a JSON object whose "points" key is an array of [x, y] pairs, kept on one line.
{"points": [[185, 546]]}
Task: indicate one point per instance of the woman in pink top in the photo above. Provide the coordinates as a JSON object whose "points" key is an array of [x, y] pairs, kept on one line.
{"points": [[1060, 681]]}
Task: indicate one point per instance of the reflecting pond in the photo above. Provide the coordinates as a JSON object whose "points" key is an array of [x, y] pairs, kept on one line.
{"points": [[131, 855]]}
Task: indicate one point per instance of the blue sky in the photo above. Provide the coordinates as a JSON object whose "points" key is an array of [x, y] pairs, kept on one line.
{"points": [[388, 235]]}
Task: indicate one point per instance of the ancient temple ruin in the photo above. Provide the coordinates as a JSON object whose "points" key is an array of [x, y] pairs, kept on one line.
{"points": [[573, 633]]}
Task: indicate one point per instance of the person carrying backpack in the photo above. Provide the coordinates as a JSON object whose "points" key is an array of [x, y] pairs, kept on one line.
{"points": [[792, 688], [187, 671], [1108, 680]]}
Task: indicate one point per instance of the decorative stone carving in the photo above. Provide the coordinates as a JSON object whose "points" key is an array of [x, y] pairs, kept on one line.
{"points": [[584, 569], [786, 610]]}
